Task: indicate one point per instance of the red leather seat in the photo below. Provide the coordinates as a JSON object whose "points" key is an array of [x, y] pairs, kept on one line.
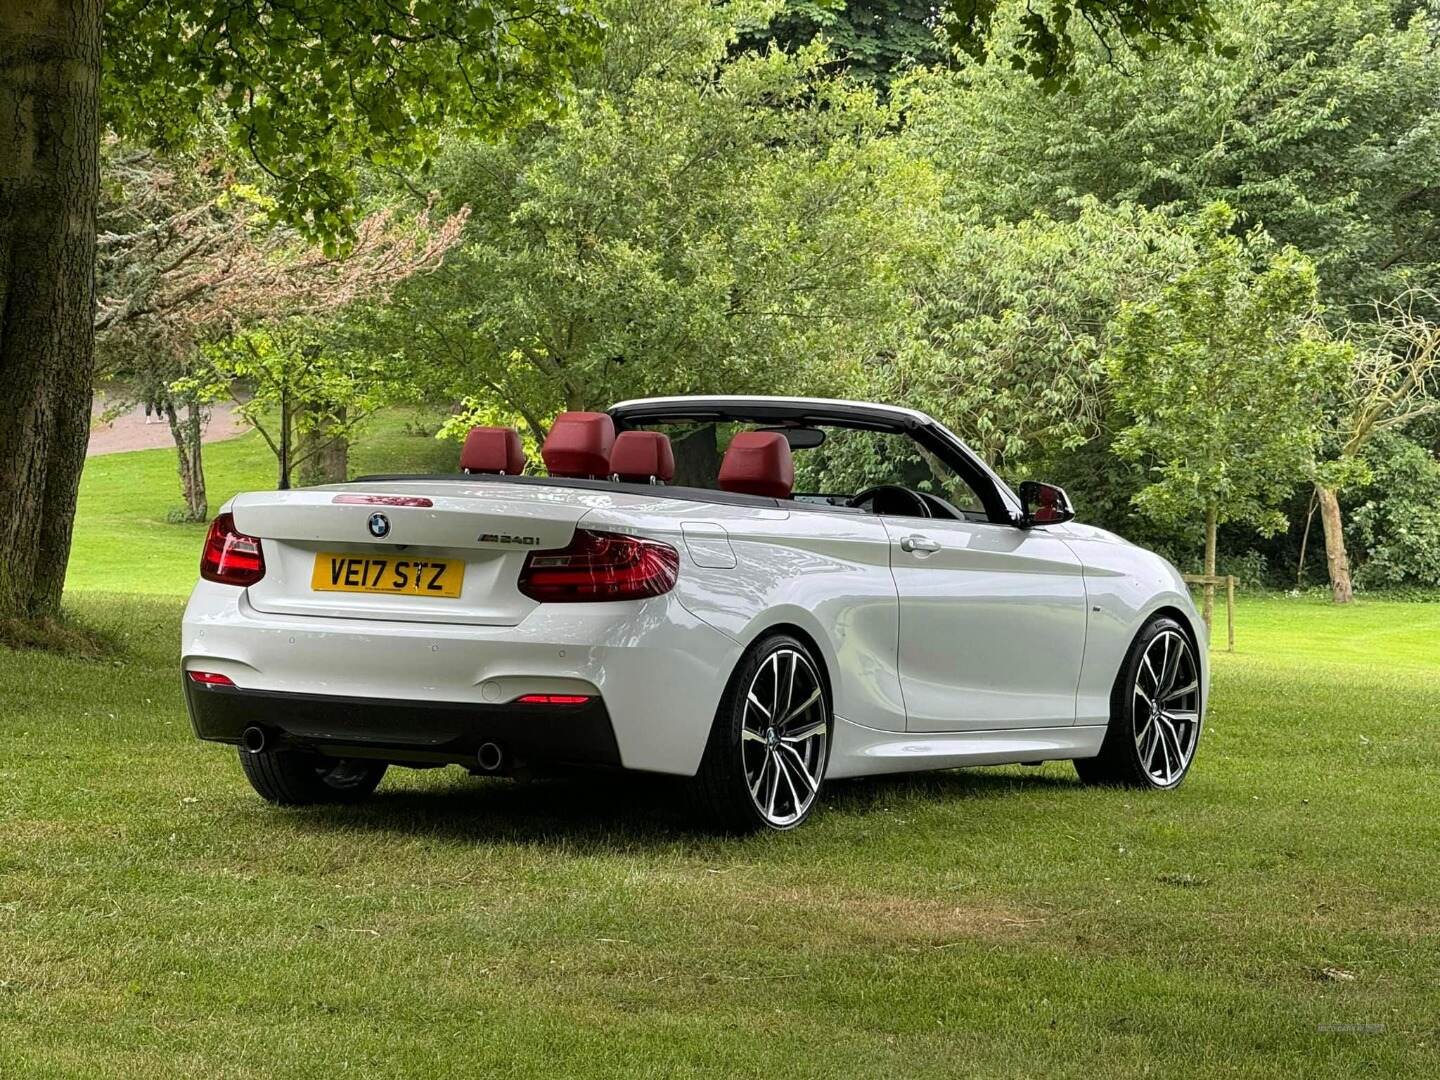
{"points": [[579, 445], [642, 457], [493, 450], [758, 463]]}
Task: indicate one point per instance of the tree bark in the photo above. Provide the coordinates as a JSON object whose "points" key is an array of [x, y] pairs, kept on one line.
{"points": [[1336, 558], [282, 453], [697, 458], [1305, 543], [49, 187], [1212, 521], [188, 433], [324, 456]]}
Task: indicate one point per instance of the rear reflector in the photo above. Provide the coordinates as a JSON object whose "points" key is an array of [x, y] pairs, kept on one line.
{"points": [[600, 566], [383, 500], [231, 557], [552, 699], [210, 678]]}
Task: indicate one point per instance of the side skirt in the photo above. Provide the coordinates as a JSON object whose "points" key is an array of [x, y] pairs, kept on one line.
{"points": [[862, 751]]}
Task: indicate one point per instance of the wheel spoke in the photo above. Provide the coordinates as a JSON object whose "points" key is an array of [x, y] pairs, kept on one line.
{"points": [[776, 708], [1164, 753], [1183, 691], [817, 728], [1183, 716], [753, 700], [789, 783], [760, 776], [799, 763], [1143, 732], [802, 708], [774, 762], [1169, 729], [1154, 679], [1150, 755], [790, 688], [752, 736], [1169, 667]]}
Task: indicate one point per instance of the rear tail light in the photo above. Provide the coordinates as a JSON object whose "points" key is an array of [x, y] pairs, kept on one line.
{"points": [[552, 699], [231, 557], [600, 566], [210, 678]]}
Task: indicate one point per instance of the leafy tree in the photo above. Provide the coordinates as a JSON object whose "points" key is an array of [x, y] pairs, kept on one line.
{"points": [[1312, 118], [300, 396], [702, 225], [188, 254], [1395, 524], [872, 40], [1015, 321], [157, 222], [1045, 41], [1224, 375], [1394, 381], [309, 88]]}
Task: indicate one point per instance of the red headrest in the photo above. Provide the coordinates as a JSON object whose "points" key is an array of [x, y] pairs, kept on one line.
{"points": [[493, 450], [758, 463], [641, 456], [579, 444]]}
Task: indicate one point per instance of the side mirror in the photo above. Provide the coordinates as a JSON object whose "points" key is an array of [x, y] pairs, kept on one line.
{"points": [[1045, 504]]}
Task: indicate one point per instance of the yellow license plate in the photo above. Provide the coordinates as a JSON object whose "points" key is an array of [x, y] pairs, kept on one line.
{"points": [[387, 574]]}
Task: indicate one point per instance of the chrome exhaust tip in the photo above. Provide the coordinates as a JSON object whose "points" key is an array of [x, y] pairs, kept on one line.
{"points": [[253, 740], [490, 757]]}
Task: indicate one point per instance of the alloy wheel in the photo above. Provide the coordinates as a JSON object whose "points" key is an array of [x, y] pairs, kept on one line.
{"points": [[783, 736], [1166, 707]]}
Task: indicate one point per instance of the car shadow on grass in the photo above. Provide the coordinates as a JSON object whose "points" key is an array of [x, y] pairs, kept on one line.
{"points": [[633, 811]]}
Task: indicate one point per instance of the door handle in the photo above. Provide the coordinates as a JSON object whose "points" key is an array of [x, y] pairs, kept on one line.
{"points": [[918, 543]]}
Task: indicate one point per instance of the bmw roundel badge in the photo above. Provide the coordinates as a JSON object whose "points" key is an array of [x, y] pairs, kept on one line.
{"points": [[379, 526]]}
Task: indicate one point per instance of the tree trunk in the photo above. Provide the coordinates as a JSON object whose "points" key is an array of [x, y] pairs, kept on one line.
{"points": [[189, 444], [1335, 557], [282, 452], [697, 458], [1212, 520], [325, 456], [49, 186], [1305, 543]]}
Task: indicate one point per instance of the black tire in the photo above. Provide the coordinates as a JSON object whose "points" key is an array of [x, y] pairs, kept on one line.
{"points": [[293, 778], [722, 789], [1128, 756]]}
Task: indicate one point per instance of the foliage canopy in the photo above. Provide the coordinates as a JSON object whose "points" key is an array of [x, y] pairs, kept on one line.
{"points": [[1224, 375]]}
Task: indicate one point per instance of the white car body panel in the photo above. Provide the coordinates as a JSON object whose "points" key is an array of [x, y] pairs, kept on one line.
{"points": [[992, 625], [1002, 646], [1125, 586]]}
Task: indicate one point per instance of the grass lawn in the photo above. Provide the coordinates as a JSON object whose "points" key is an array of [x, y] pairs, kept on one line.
{"points": [[1279, 914], [123, 541]]}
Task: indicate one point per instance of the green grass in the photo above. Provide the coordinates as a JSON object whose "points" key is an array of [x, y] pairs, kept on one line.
{"points": [[157, 919], [123, 541]]}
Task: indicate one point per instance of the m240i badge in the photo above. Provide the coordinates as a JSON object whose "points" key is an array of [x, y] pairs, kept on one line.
{"points": [[507, 538]]}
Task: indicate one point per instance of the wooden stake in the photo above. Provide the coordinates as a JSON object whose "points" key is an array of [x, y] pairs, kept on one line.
{"points": [[1230, 609]]}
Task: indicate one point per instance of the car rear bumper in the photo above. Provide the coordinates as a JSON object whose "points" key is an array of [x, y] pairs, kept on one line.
{"points": [[656, 672], [418, 732]]}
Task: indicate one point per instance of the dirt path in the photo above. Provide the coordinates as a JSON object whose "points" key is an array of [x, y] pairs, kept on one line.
{"points": [[130, 432]]}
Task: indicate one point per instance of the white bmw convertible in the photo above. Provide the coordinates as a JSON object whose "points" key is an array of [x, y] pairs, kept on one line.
{"points": [[759, 594]]}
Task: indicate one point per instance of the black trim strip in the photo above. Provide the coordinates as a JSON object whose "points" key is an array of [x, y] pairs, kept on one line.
{"points": [[405, 730]]}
